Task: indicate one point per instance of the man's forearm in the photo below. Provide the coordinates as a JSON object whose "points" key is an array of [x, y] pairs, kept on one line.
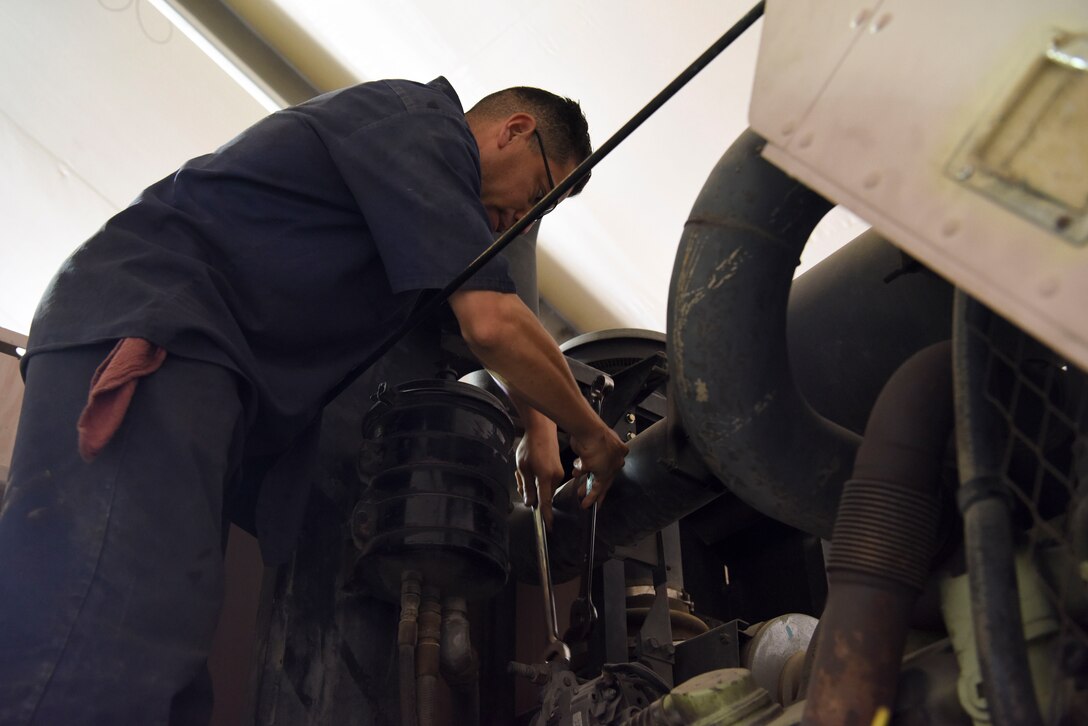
{"points": [[521, 352], [509, 340], [532, 420]]}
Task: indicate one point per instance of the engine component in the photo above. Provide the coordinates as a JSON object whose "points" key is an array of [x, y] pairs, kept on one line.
{"points": [[884, 539], [1039, 628], [730, 375], [775, 654], [926, 692], [854, 318], [636, 360], [715, 649], [720, 698], [1022, 426], [407, 638], [427, 656], [684, 624], [460, 665], [438, 460], [621, 691], [988, 534], [662, 480]]}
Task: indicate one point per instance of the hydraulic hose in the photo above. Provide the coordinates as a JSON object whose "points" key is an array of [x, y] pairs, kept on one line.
{"points": [[988, 531], [430, 631], [883, 542], [406, 647]]}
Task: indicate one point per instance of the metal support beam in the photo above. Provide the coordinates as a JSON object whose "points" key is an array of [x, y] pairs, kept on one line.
{"points": [[268, 46]]}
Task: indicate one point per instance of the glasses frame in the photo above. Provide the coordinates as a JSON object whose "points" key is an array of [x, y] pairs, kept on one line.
{"points": [[547, 170]]}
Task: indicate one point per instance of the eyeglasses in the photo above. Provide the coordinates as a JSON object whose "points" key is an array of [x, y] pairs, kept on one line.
{"points": [[547, 170]]}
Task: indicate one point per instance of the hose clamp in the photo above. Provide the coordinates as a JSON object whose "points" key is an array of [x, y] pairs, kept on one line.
{"points": [[980, 488]]}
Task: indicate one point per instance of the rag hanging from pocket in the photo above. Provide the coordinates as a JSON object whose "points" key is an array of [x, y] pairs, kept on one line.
{"points": [[112, 388]]}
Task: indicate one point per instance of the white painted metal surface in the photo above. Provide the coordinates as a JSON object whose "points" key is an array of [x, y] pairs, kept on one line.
{"points": [[881, 105]]}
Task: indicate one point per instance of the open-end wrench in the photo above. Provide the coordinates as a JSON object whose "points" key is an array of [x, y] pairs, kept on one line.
{"points": [[556, 650], [583, 614]]}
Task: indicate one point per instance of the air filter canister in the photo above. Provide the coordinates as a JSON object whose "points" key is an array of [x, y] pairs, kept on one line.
{"points": [[437, 460]]}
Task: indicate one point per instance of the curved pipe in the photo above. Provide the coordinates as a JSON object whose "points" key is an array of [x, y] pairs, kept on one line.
{"points": [[885, 535], [855, 318], [729, 371], [988, 531]]}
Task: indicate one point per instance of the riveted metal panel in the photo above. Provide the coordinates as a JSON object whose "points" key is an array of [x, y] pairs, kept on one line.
{"points": [[926, 119]]}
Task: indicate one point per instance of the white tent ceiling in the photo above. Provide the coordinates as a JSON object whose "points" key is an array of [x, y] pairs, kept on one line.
{"points": [[107, 89]]}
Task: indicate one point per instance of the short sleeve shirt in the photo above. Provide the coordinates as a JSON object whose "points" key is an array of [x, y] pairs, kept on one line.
{"points": [[292, 251]]}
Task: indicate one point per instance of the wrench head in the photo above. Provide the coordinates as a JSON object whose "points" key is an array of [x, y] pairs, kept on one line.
{"points": [[583, 616], [556, 653]]}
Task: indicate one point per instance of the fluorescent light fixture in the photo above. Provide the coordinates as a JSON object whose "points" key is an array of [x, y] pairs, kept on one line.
{"points": [[228, 65]]}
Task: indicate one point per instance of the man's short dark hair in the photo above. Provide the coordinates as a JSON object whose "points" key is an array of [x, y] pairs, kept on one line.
{"points": [[559, 120]]}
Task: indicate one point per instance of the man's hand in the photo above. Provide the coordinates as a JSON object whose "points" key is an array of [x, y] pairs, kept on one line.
{"points": [[600, 457], [508, 339], [539, 468]]}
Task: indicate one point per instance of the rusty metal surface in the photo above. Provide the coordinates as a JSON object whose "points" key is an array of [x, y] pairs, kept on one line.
{"points": [[884, 539], [861, 638]]}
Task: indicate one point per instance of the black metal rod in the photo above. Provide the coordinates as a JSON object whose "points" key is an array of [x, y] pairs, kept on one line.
{"points": [[426, 310]]}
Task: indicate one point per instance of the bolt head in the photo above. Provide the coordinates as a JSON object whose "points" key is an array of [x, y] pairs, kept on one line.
{"points": [[965, 172]]}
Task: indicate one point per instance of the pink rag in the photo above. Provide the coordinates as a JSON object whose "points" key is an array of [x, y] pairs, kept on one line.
{"points": [[112, 388]]}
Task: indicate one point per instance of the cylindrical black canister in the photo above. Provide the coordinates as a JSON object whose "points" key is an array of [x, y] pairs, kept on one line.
{"points": [[438, 462]]}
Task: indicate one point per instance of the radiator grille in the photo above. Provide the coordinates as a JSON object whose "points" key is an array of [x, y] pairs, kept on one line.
{"points": [[1042, 400]]}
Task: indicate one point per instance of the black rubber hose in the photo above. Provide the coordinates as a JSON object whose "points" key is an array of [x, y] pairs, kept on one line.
{"points": [[987, 529], [729, 372]]}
